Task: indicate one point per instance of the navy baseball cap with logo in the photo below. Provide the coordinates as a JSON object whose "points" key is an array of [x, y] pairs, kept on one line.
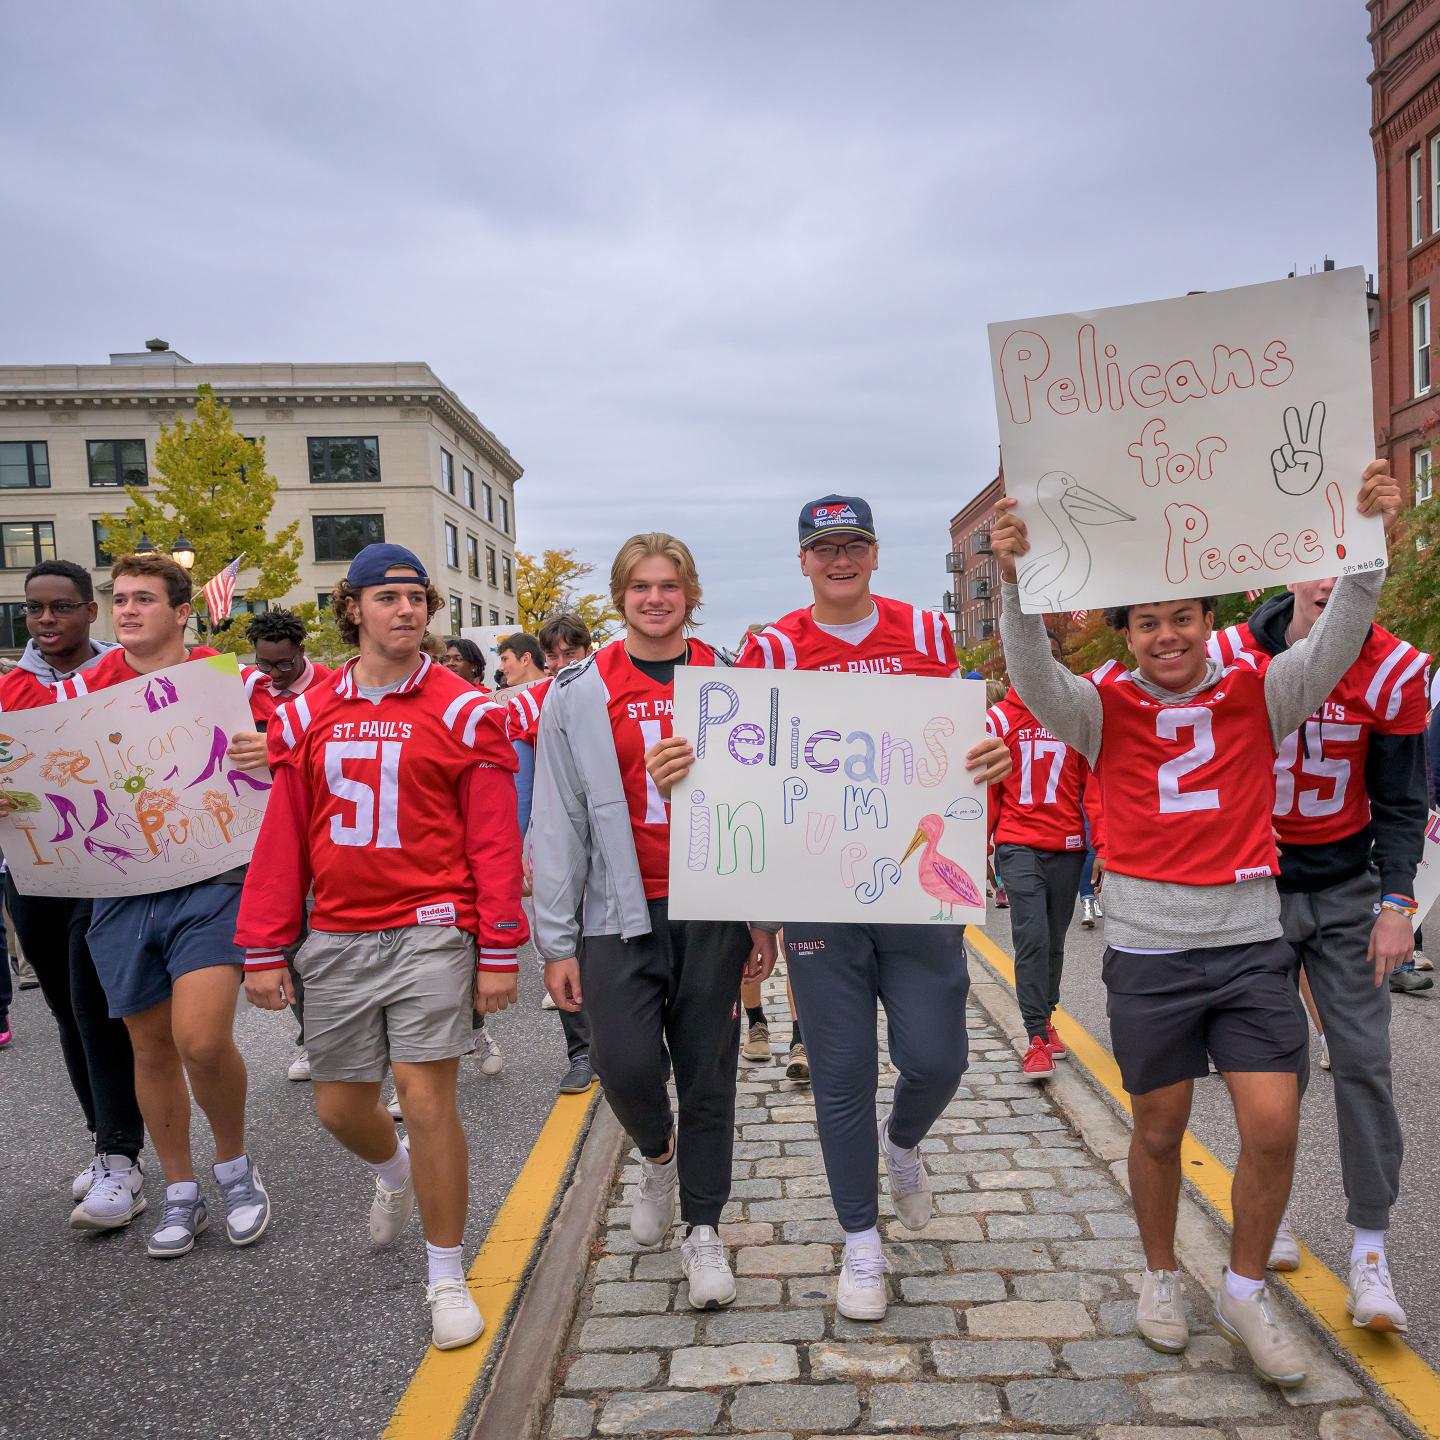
{"points": [[839, 515], [370, 565]]}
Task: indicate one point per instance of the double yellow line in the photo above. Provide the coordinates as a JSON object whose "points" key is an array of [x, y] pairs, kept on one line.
{"points": [[1389, 1361], [434, 1402]]}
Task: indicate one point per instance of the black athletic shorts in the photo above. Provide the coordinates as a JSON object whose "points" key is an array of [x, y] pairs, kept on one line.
{"points": [[1238, 1003]]}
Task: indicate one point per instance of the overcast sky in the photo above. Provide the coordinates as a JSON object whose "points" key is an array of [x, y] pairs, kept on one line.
{"points": [[694, 263]]}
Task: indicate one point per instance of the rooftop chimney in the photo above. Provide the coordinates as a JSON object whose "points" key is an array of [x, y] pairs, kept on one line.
{"points": [[156, 352], [157, 345]]}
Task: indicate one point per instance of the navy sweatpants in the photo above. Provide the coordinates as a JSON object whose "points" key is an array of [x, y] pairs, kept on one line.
{"points": [[839, 973]]}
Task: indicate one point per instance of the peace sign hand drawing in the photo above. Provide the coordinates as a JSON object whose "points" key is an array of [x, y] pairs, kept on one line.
{"points": [[1298, 463]]}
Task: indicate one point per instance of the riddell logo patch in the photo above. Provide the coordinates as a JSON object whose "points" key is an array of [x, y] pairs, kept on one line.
{"points": [[1255, 872], [1074, 842], [442, 913], [834, 515]]}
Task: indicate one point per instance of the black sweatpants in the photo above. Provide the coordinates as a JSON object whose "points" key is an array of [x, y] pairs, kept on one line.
{"points": [[919, 973], [96, 1048], [1042, 885], [675, 990]]}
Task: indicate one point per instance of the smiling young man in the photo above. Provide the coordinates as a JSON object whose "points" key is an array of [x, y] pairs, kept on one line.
{"points": [[1190, 852], [59, 611], [394, 798], [840, 971], [1351, 802], [168, 962], [519, 662], [657, 992]]}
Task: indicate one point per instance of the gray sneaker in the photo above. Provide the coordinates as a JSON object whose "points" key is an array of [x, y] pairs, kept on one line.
{"points": [[579, 1077], [183, 1218], [247, 1206]]}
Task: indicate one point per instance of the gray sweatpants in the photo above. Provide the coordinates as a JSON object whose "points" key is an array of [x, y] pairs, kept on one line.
{"points": [[1042, 885], [1330, 933], [839, 972]]}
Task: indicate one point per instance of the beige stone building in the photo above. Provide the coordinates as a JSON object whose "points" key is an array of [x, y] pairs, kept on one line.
{"points": [[361, 452]]}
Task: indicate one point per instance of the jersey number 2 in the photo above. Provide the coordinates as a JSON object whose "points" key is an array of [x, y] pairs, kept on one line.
{"points": [[377, 816], [1168, 725]]}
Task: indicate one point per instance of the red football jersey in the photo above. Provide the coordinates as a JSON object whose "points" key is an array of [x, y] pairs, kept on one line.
{"points": [[905, 641], [1183, 802], [1320, 793], [260, 689], [523, 711], [1042, 801], [365, 808], [642, 713], [22, 690], [114, 669]]}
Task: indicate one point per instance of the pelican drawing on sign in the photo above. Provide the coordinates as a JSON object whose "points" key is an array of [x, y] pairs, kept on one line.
{"points": [[1059, 561], [940, 877]]}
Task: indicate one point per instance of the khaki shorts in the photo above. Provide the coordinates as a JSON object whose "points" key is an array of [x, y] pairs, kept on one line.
{"points": [[385, 995]]}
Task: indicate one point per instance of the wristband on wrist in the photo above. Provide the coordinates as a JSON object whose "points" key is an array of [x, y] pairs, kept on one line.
{"points": [[1401, 904]]}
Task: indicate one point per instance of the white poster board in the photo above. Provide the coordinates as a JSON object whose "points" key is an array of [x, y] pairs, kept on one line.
{"points": [[126, 792], [828, 797], [488, 638], [1197, 446], [1427, 873]]}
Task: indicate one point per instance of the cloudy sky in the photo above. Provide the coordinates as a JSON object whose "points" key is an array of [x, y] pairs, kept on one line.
{"points": [[695, 263]]}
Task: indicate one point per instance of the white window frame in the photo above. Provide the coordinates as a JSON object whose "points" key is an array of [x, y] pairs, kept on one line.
{"points": [[1434, 183], [1417, 197], [1420, 373], [1424, 476]]}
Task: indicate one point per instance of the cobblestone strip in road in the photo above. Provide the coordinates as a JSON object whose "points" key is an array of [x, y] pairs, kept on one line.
{"points": [[1012, 1311]]}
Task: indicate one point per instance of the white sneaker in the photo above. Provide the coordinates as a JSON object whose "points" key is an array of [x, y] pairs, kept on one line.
{"points": [[702, 1257], [1160, 1313], [1371, 1300], [861, 1295], [455, 1318], [390, 1210], [1322, 1052], [299, 1067], [80, 1186], [546, 1003], [1099, 908], [909, 1182], [1087, 912], [1285, 1249], [392, 1102], [486, 1052], [1423, 962], [653, 1212], [115, 1199]]}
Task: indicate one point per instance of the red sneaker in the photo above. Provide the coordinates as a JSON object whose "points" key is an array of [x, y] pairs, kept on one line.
{"points": [[1054, 1044], [1002, 900], [1037, 1062]]}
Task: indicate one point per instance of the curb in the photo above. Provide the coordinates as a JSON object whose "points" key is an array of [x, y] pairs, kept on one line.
{"points": [[520, 1378], [1202, 1241]]}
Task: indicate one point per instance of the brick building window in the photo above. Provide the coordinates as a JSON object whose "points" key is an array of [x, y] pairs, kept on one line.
{"points": [[1424, 478], [1417, 198], [1434, 183], [1420, 345]]}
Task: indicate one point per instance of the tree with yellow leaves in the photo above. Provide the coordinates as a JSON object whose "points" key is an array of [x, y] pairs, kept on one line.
{"points": [[548, 585]]}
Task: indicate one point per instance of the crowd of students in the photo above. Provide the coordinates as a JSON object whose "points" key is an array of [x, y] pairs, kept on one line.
{"points": [[413, 810]]}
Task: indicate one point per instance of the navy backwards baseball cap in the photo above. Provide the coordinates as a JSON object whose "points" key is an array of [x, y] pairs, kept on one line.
{"points": [[835, 515], [370, 565]]}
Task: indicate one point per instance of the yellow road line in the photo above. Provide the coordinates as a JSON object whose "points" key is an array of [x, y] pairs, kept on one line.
{"points": [[435, 1399], [1405, 1376]]}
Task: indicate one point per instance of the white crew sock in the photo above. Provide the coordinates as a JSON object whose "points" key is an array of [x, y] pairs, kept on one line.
{"points": [[1367, 1242], [862, 1237], [394, 1172], [1239, 1288], [445, 1263]]}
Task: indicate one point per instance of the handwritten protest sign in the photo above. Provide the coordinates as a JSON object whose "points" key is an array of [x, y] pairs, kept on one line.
{"points": [[828, 797], [1187, 447], [1427, 873], [126, 792]]}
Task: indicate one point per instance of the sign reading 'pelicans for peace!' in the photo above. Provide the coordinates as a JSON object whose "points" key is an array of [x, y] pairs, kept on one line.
{"points": [[126, 791], [1189, 447], [827, 797]]}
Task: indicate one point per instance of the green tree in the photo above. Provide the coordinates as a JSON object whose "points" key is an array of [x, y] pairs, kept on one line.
{"points": [[1410, 601], [547, 585], [211, 485], [322, 635]]}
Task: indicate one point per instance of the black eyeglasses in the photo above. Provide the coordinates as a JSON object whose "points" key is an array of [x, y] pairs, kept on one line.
{"points": [[854, 549], [59, 609]]}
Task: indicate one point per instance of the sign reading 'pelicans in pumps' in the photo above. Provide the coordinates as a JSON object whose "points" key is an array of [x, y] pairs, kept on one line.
{"points": [[1189, 447]]}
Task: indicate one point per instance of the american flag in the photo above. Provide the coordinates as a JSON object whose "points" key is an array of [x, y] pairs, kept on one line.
{"points": [[219, 593], [1078, 616], [1254, 594]]}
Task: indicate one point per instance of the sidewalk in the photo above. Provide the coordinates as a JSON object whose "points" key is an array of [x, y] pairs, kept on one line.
{"points": [[1012, 1312]]}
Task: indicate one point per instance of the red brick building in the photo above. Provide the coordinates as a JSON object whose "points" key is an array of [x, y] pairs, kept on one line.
{"points": [[974, 595], [1405, 106]]}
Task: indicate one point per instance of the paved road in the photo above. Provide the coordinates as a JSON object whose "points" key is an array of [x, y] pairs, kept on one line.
{"points": [[309, 1334], [1317, 1207]]}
